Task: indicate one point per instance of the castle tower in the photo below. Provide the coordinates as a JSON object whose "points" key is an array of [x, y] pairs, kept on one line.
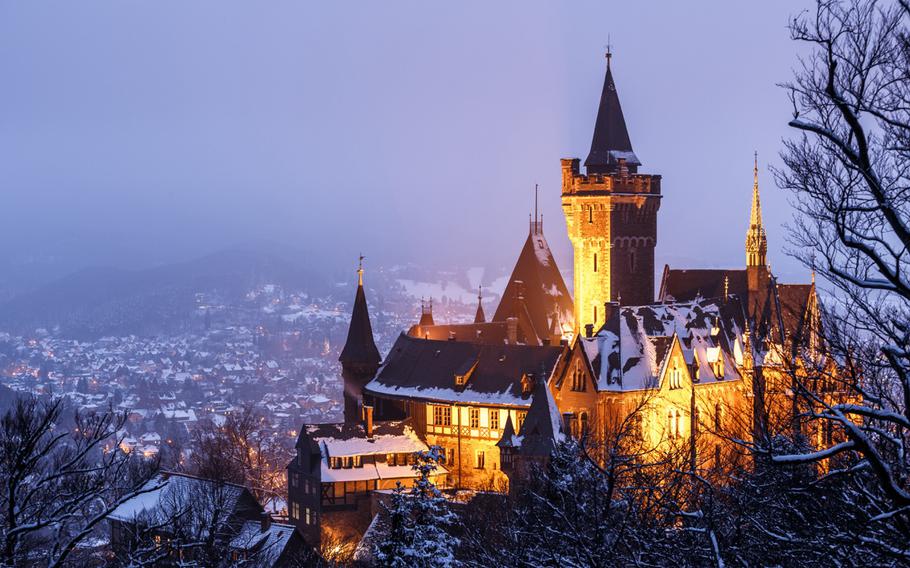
{"points": [[359, 358], [756, 243], [611, 216]]}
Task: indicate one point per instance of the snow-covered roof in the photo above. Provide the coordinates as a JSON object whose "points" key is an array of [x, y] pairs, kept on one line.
{"points": [[629, 351]]}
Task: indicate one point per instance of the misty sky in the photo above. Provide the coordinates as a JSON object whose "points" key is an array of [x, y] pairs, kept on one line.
{"points": [[140, 132]]}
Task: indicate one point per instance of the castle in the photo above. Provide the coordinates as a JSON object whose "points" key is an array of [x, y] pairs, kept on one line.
{"points": [[696, 361]]}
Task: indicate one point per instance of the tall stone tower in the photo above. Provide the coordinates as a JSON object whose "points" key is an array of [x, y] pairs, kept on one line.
{"points": [[611, 216], [359, 359]]}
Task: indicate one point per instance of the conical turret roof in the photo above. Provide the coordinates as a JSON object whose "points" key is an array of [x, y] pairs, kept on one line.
{"points": [[611, 138], [360, 347]]}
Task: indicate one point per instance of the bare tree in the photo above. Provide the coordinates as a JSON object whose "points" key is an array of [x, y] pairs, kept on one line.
{"points": [[242, 450], [848, 173], [59, 482]]}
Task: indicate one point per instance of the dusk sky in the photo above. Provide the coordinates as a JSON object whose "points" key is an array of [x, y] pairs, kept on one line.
{"points": [[141, 132]]}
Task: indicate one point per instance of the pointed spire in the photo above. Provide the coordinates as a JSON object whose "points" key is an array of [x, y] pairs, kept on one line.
{"points": [[611, 138], [756, 240], [480, 317], [755, 217], [360, 349]]}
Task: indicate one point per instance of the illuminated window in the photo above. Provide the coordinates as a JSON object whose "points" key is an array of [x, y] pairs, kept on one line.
{"points": [[390, 459], [348, 462], [480, 462], [521, 419], [675, 377], [442, 415], [474, 417], [595, 262], [578, 379], [494, 419], [719, 366], [295, 510], [358, 461]]}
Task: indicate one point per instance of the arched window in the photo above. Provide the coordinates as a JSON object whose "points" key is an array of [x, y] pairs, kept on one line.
{"points": [[678, 425], [595, 262], [584, 424], [578, 378]]}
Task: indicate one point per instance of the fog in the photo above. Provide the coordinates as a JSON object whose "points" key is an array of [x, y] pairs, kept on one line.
{"points": [[135, 133]]}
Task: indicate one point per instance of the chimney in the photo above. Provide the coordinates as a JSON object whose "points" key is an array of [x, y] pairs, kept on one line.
{"points": [[265, 521], [512, 330], [368, 419], [589, 330]]}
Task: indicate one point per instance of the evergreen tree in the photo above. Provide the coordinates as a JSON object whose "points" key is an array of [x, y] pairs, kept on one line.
{"points": [[415, 532]]}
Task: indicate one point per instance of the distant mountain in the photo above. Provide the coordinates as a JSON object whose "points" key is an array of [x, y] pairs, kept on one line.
{"points": [[104, 301]]}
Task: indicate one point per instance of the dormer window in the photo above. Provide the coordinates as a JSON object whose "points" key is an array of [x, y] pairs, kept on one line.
{"points": [[358, 461], [718, 366], [675, 377], [459, 380], [526, 384]]}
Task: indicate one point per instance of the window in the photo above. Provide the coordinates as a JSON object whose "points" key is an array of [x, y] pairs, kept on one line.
{"points": [[474, 417], [632, 260], [578, 378], [481, 460], [583, 423], [358, 461], [442, 415], [718, 366], [292, 479], [591, 214], [295, 510], [348, 462], [451, 458], [696, 423], [718, 417], [494, 419], [675, 377], [595, 262], [670, 424], [335, 463], [678, 425], [308, 516], [521, 419], [390, 459]]}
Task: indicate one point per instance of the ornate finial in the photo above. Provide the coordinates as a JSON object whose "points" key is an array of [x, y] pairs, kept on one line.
{"points": [[726, 286], [360, 270], [480, 292], [755, 170], [609, 51]]}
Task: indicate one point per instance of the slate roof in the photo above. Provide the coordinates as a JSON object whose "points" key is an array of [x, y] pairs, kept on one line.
{"points": [[629, 351], [537, 280], [492, 333], [542, 428], [425, 369], [360, 347], [611, 138], [685, 285]]}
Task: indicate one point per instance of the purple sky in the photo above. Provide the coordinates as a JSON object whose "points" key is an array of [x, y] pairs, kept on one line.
{"points": [[409, 130]]}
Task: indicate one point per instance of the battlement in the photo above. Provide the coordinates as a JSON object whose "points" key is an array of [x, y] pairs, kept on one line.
{"points": [[574, 182]]}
